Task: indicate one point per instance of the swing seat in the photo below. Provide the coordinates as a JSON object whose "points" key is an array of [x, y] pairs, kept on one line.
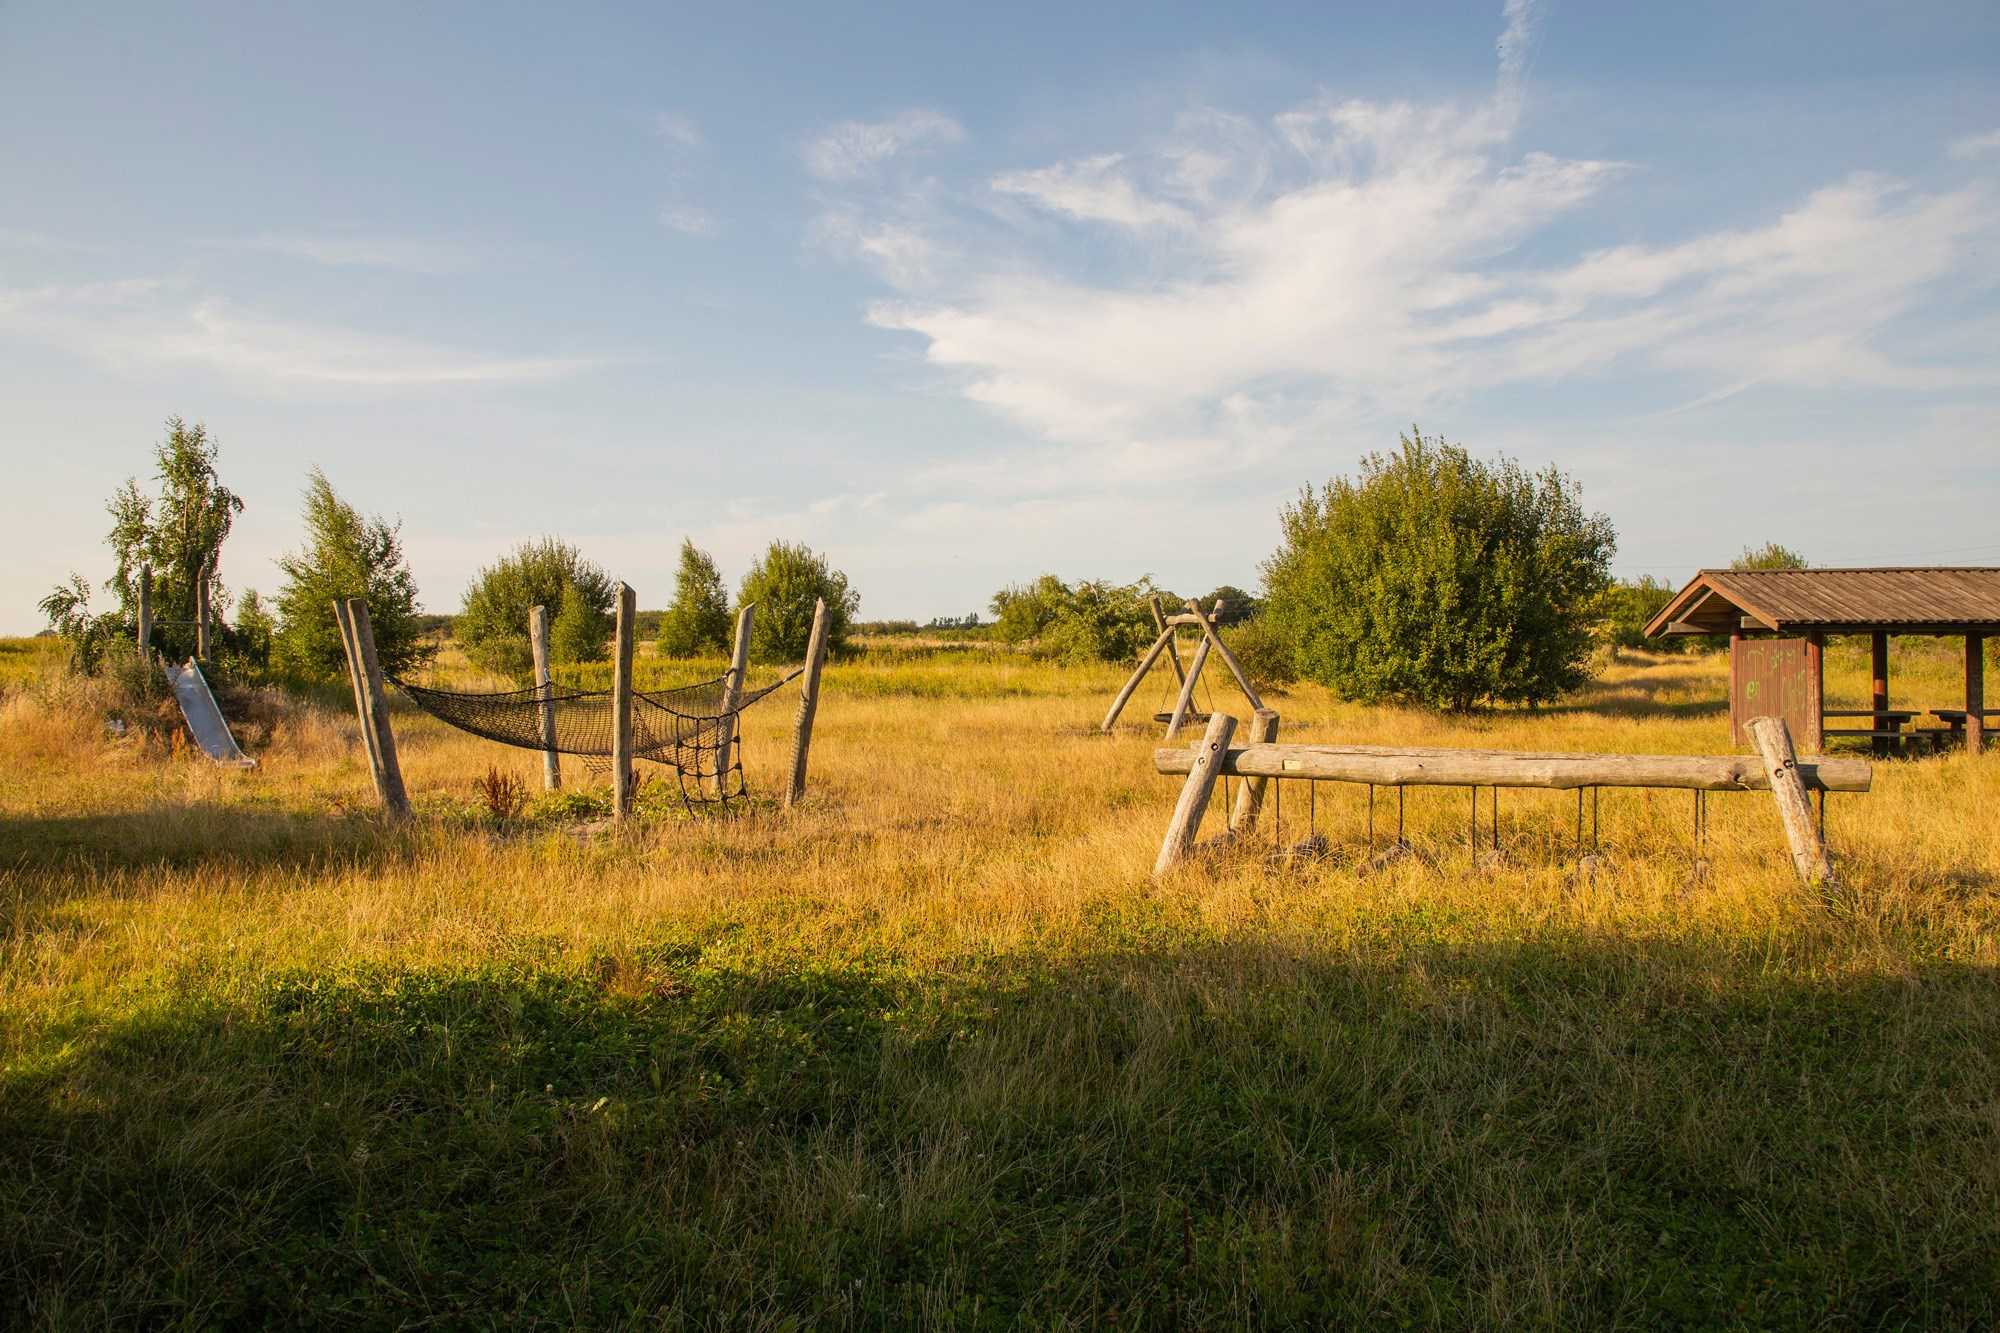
{"points": [[1191, 717]]}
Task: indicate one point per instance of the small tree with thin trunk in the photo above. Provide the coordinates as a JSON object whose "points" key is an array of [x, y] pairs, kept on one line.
{"points": [[346, 555], [698, 620], [785, 582]]}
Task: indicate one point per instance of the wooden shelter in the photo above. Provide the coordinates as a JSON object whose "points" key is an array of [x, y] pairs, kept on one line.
{"points": [[1778, 621]]}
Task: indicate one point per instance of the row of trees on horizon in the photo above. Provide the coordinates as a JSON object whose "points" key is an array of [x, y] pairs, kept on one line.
{"points": [[1431, 577]]}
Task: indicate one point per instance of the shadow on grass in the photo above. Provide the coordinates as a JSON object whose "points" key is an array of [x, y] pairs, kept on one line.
{"points": [[184, 837], [1158, 1132]]}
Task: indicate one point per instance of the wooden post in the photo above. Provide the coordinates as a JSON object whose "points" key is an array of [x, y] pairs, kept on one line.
{"points": [[1202, 773], [1184, 702], [621, 705], [1173, 651], [545, 722], [201, 616], [371, 700], [357, 679], [1788, 790], [145, 626], [802, 731], [1815, 718], [1878, 693], [1210, 635], [1250, 798], [732, 692], [1975, 693], [1145, 664], [1736, 718]]}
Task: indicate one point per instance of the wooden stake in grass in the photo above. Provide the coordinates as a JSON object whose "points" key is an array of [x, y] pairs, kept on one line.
{"points": [[371, 701], [1774, 743], [732, 693], [1250, 800], [1184, 703], [621, 705], [201, 616], [802, 733], [145, 614], [538, 644], [1203, 769]]}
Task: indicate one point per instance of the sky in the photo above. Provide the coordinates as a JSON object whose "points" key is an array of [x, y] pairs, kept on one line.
{"points": [[962, 295]]}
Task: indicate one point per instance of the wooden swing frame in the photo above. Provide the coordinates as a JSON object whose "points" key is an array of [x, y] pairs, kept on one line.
{"points": [[1167, 644]]}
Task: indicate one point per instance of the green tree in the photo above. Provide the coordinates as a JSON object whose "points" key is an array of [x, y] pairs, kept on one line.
{"points": [[698, 620], [179, 532], [577, 632], [1239, 605], [1441, 580], [784, 583], [346, 555], [255, 630], [1768, 556], [494, 624], [1022, 611], [1100, 621], [68, 610]]}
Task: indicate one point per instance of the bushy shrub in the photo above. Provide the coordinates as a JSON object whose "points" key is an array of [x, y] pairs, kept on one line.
{"points": [[1441, 580], [698, 620], [494, 624], [1262, 651], [1100, 621], [1022, 611], [255, 630], [345, 555], [785, 582]]}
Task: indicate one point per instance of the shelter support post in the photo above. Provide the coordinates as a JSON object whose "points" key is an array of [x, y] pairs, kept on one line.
{"points": [[1788, 790], [621, 705], [802, 733], [1975, 693], [545, 717], [1815, 718], [732, 694], [1205, 766], [1878, 690], [371, 702]]}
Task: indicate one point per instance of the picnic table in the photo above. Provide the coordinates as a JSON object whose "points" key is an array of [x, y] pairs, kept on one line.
{"points": [[1954, 718], [1885, 727]]}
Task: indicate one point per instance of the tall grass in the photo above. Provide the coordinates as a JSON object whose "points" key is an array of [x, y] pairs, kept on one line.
{"points": [[934, 1052]]}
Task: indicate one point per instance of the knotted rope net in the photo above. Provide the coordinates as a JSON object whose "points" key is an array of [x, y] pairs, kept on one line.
{"points": [[687, 728]]}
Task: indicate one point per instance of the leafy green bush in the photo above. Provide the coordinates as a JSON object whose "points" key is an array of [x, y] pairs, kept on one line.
{"points": [[1022, 611], [1629, 605], [494, 624], [255, 630], [345, 555], [1100, 621], [1441, 580], [1768, 556], [785, 582], [698, 620], [1262, 650]]}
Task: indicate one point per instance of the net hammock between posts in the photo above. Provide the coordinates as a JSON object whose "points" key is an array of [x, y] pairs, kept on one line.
{"points": [[683, 728]]}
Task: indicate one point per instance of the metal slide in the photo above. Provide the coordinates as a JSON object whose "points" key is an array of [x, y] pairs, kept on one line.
{"points": [[204, 719]]}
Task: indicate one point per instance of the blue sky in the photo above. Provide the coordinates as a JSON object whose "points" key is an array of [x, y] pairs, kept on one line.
{"points": [[959, 296]]}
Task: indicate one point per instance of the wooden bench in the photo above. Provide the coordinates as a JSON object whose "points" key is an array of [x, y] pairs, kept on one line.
{"points": [[1954, 719], [1886, 729]]}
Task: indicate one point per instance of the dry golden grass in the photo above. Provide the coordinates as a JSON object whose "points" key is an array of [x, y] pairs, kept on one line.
{"points": [[933, 1051]]}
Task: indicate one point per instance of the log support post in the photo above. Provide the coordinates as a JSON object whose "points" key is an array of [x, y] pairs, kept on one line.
{"points": [[1164, 642], [201, 612], [1975, 693], [1205, 768], [802, 731], [1209, 635], [621, 705], [145, 625], [1878, 689], [545, 716], [371, 703], [1250, 796], [1815, 710], [1788, 790], [1173, 650], [732, 694], [1184, 701]]}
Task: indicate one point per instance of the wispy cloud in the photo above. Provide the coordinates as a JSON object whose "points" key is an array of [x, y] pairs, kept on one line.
{"points": [[1353, 256], [361, 250], [687, 219], [1976, 145], [677, 129], [145, 325], [852, 149]]}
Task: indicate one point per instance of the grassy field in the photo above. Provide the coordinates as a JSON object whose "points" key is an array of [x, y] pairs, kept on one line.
{"points": [[934, 1052]]}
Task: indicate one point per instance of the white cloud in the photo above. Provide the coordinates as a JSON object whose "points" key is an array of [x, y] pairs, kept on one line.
{"points": [[677, 130], [1366, 258], [358, 250], [142, 325], [687, 219], [1093, 190], [852, 149], [1975, 145]]}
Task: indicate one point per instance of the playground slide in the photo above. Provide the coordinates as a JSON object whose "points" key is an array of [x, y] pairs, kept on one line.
{"points": [[204, 719]]}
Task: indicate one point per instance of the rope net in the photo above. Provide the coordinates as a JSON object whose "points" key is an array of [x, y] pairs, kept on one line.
{"points": [[686, 728]]}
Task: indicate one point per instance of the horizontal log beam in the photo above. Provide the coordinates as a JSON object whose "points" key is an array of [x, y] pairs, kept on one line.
{"points": [[1386, 766]]}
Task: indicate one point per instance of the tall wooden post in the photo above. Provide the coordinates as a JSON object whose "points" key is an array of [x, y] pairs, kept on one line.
{"points": [[545, 720], [1815, 718], [1173, 651], [1781, 764], [1202, 773], [802, 732], [621, 705], [732, 694], [201, 616], [371, 701], [1184, 701], [1975, 693], [1210, 635], [1878, 689], [1250, 796], [145, 627], [1166, 642]]}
